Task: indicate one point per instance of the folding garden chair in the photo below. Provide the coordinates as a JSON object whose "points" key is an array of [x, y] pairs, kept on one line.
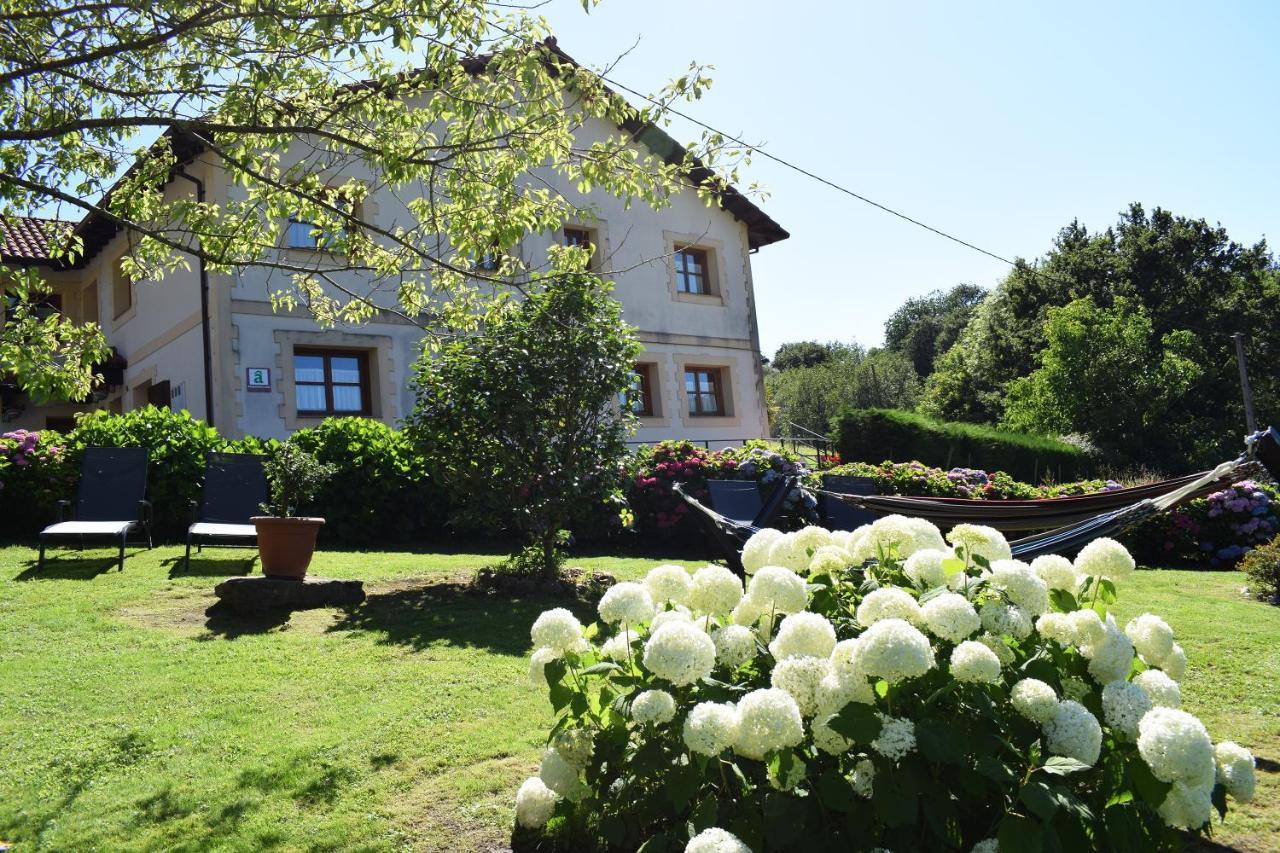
{"points": [[110, 500], [235, 487], [838, 515], [730, 534]]}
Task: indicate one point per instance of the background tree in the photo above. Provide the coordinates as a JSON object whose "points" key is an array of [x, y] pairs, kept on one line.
{"points": [[809, 396], [1185, 274], [447, 105], [1107, 374], [926, 326], [811, 353], [524, 413]]}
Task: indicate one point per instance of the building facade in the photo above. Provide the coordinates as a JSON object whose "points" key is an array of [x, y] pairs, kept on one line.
{"points": [[213, 345]]}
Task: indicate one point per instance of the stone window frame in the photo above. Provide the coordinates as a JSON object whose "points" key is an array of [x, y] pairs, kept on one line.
{"points": [[716, 273], [383, 404], [728, 389]]}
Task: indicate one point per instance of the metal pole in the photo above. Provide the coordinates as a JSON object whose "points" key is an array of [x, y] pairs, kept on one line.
{"points": [[1251, 423]]}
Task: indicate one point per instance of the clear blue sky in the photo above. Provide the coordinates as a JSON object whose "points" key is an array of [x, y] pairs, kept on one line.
{"points": [[998, 122]]}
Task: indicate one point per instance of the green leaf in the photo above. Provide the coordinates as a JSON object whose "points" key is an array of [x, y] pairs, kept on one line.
{"points": [[857, 722], [952, 566], [1018, 834], [835, 791], [1058, 765], [660, 843], [1063, 601], [1107, 590], [703, 815], [603, 666], [561, 695], [1040, 799], [939, 742], [787, 770], [783, 818], [894, 798], [679, 785], [614, 829], [994, 769], [1145, 784], [1124, 828]]}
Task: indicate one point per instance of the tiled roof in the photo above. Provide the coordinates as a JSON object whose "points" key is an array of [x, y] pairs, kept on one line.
{"points": [[26, 238]]}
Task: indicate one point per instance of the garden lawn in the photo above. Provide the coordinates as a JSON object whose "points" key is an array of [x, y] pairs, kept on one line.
{"points": [[130, 720]]}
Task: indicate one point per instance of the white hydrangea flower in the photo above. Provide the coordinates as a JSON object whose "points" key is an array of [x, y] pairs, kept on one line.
{"points": [[747, 611], [803, 633], [535, 803], [538, 665], [575, 746], [1057, 572], [1123, 705], [998, 647], [973, 661], [892, 534], [841, 539], [680, 653], [779, 590], [1112, 659], [987, 845], [838, 689], [1105, 558], [653, 706], [888, 602], [1034, 699], [1235, 770], [950, 616], [925, 567], [1187, 806], [715, 590], [679, 613], [980, 541], [557, 629], [1162, 689], [716, 840], [1176, 747], [894, 650], [1175, 665], [927, 536], [735, 645], [628, 602], [1073, 732], [1023, 586], [966, 583], [860, 545], [1057, 627], [669, 582], [864, 774], [561, 776], [829, 559], [897, 738], [618, 647], [788, 553], [1000, 619], [845, 661], [1088, 628], [768, 720], [812, 538], [711, 727], [1151, 636], [800, 677], [755, 553]]}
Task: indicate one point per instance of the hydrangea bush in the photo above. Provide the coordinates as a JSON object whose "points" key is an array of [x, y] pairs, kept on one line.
{"points": [[653, 469], [886, 688], [915, 478], [34, 476], [1218, 529]]}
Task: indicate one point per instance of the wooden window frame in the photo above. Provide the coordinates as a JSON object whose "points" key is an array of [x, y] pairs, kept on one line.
{"points": [[318, 241], [117, 275], [328, 354], [644, 371], [694, 406], [683, 253]]}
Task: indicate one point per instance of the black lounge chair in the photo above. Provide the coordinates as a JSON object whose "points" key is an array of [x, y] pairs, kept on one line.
{"points": [[738, 500], [730, 534], [110, 500], [838, 515], [235, 487]]}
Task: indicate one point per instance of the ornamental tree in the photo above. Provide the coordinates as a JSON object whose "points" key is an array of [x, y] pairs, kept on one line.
{"points": [[449, 106], [523, 415]]}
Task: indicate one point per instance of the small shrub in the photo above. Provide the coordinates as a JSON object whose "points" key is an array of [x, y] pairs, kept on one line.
{"points": [[867, 435], [35, 473], [1262, 566], [293, 478]]}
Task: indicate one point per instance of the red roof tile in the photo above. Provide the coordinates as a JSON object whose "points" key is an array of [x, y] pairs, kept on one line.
{"points": [[26, 238]]}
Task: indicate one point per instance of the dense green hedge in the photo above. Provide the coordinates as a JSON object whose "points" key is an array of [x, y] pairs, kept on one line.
{"points": [[872, 435]]}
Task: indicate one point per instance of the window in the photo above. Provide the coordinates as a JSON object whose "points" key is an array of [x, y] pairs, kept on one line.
{"points": [[89, 303], [121, 289], [331, 382], [693, 273], [303, 234], [576, 235], [641, 392], [704, 388]]}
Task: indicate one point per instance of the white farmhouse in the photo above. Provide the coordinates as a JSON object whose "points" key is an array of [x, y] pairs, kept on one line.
{"points": [[212, 343]]}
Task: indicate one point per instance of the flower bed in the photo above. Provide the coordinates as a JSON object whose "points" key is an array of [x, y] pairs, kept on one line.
{"points": [[1219, 529], [876, 689], [915, 478]]}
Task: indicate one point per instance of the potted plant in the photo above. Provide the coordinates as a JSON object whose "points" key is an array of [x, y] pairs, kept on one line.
{"points": [[286, 541]]}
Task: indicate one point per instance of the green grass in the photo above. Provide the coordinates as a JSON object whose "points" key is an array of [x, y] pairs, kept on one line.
{"points": [[132, 721]]}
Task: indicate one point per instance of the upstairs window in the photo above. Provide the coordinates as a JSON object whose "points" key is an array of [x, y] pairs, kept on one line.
{"points": [[641, 392], [693, 272], [574, 236], [303, 234], [121, 289], [704, 386], [331, 382]]}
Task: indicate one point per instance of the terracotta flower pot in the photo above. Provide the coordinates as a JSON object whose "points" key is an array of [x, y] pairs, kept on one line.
{"points": [[285, 545]]}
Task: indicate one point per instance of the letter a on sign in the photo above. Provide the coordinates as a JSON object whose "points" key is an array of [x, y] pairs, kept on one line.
{"points": [[258, 378]]}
